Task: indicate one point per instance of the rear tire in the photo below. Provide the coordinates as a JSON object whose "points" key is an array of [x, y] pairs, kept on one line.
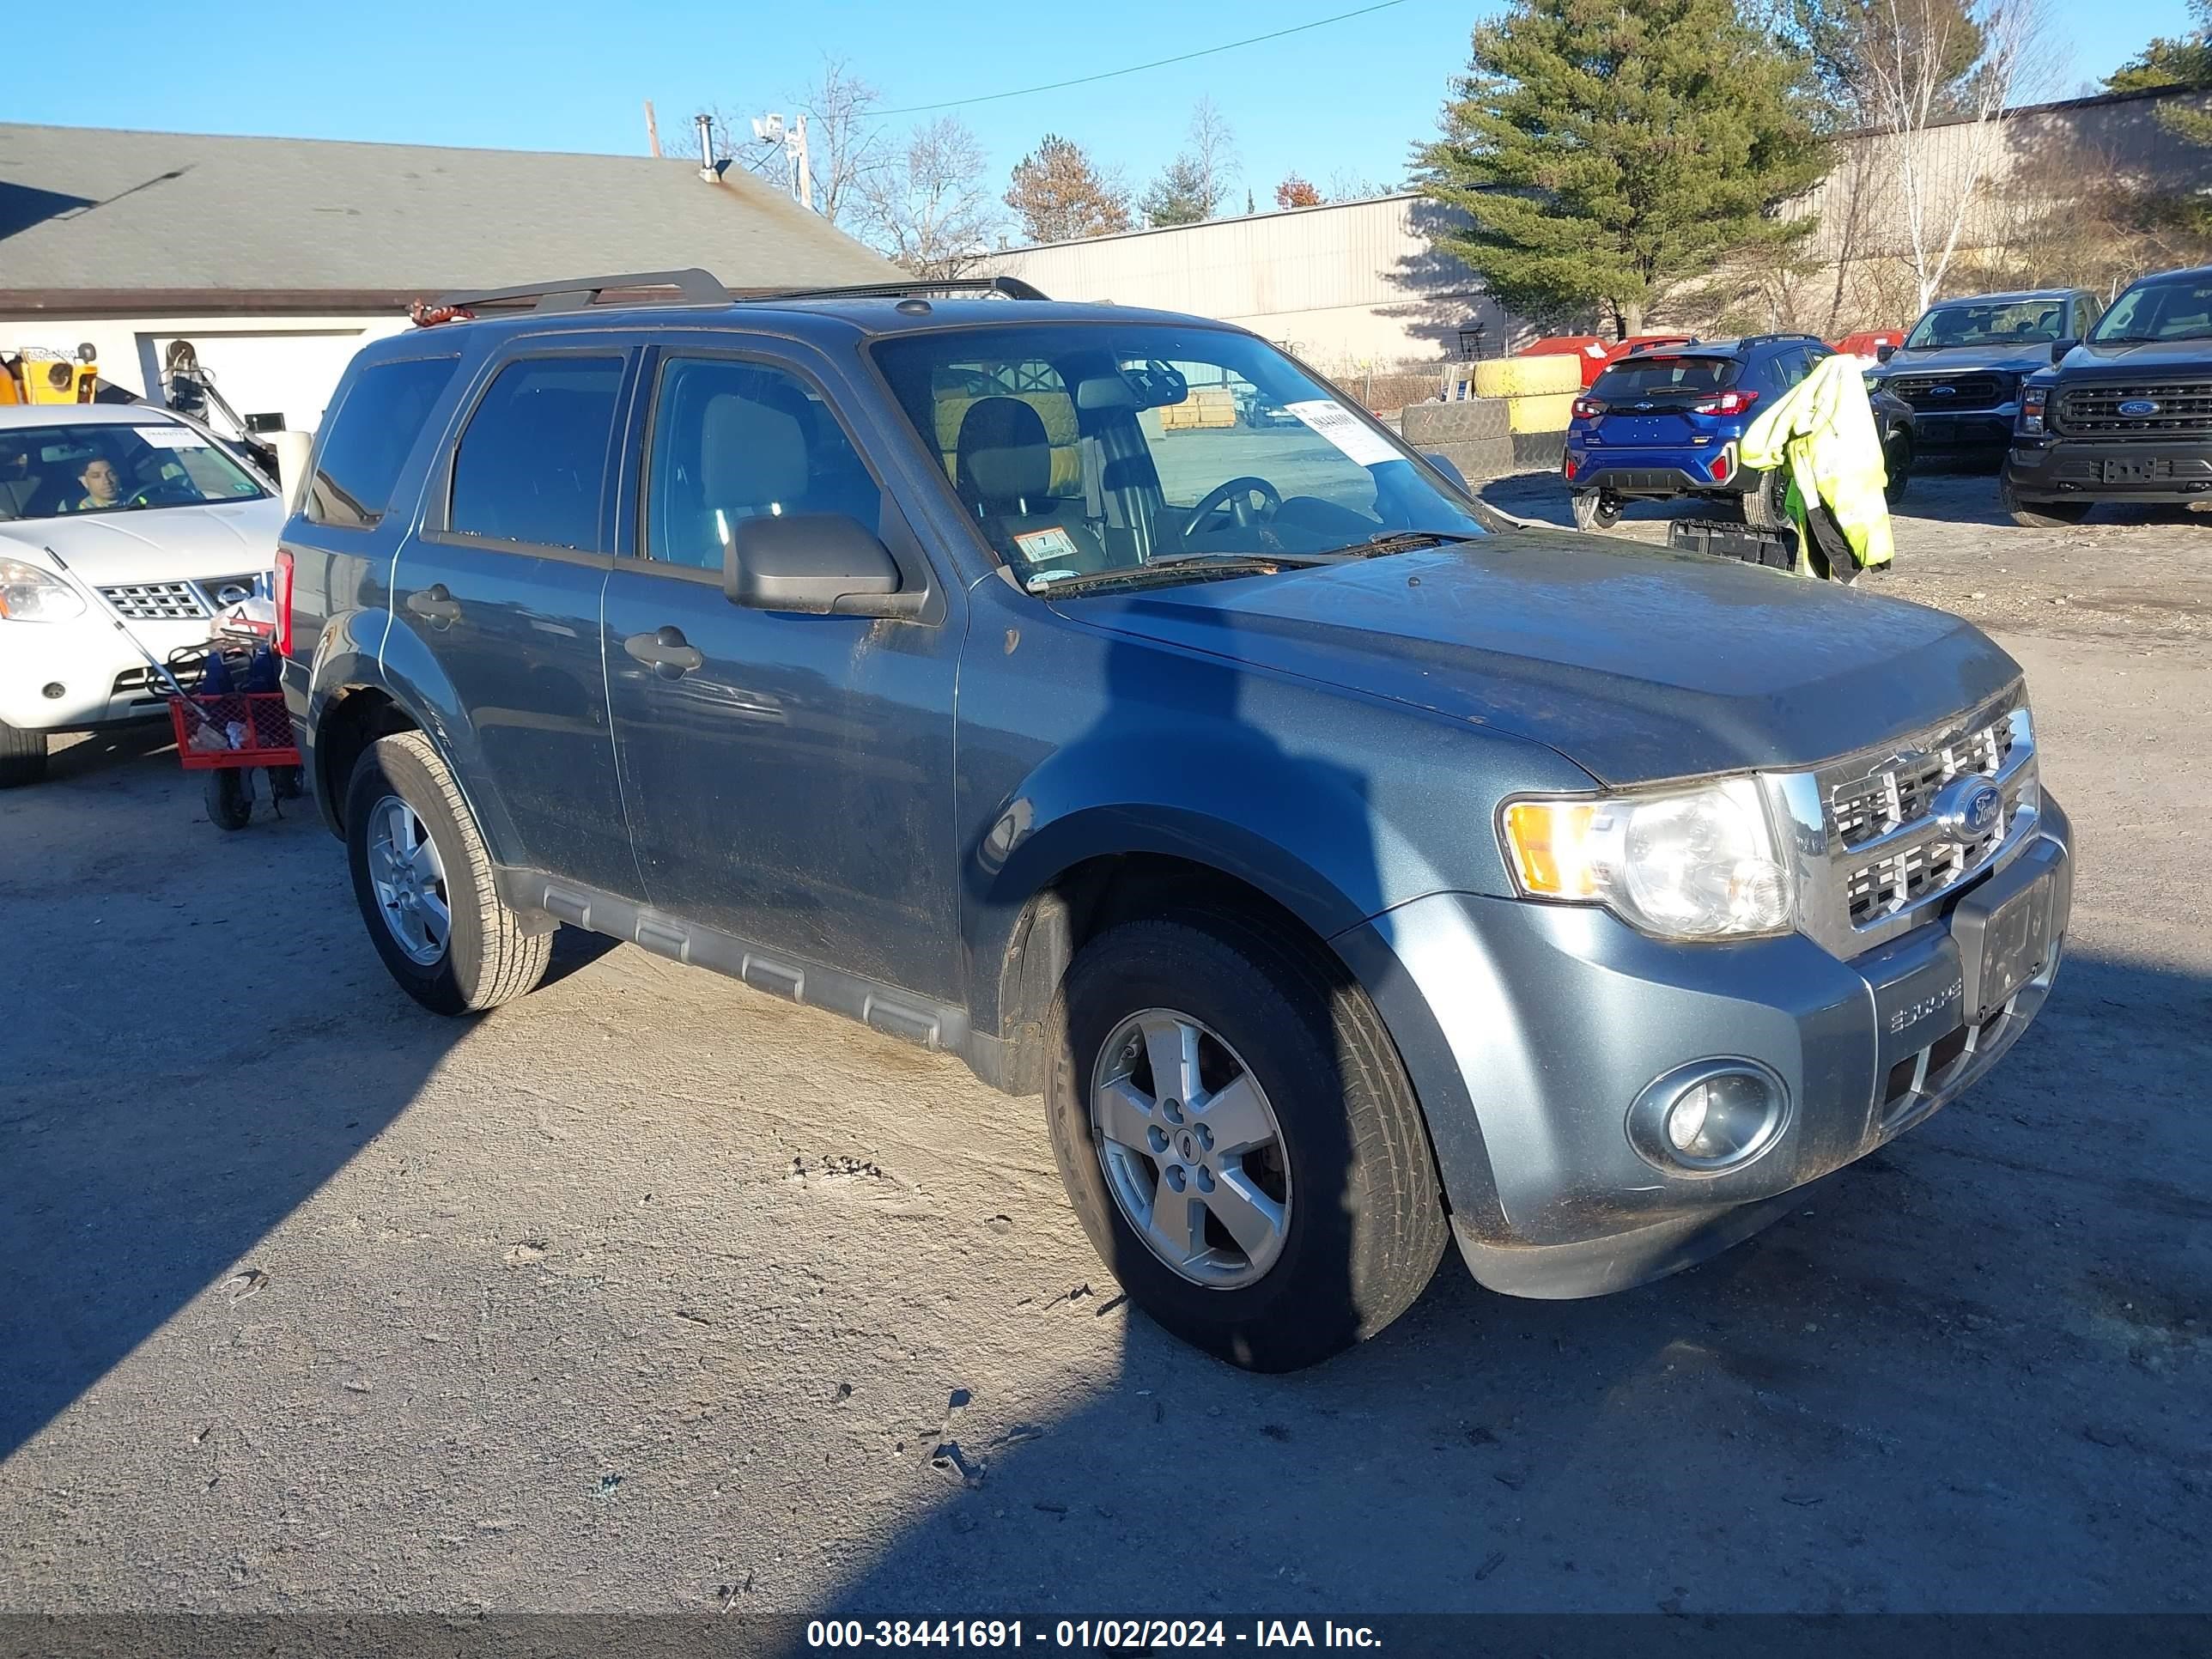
{"points": [[1766, 503], [2043, 515], [1359, 1226], [230, 798], [22, 756], [1594, 511], [423, 880]]}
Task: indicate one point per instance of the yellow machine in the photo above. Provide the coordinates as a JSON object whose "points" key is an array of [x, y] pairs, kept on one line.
{"points": [[34, 374]]}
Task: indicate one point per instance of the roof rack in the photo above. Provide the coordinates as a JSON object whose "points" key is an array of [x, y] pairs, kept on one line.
{"points": [[693, 288], [914, 287]]}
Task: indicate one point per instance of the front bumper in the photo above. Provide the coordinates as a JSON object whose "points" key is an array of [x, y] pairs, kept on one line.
{"points": [[1530, 1029], [101, 680], [1969, 432], [2059, 469]]}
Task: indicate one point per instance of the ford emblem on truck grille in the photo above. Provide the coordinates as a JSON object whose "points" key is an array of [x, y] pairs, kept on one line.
{"points": [[2134, 406], [1943, 392]]}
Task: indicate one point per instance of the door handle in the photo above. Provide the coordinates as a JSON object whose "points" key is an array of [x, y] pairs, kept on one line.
{"points": [[434, 603], [667, 651]]}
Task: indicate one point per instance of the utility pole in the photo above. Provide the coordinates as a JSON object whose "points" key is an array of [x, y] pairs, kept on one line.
{"points": [[652, 131], [802, 165]]}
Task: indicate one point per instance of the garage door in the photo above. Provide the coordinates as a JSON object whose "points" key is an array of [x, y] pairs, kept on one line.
{"points": [[290, 375]]}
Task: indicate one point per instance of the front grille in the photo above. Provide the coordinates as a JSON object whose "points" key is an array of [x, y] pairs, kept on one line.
{"points": [[2094, 410], [1886, 848], [156, 601], [1965, 393]]}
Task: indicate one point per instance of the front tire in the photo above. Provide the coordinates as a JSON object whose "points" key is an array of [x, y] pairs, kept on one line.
{"points": [[22, 756], [423, 880], [1766, 503], [1240, 1140], [2043, 515], [1897, 462]]}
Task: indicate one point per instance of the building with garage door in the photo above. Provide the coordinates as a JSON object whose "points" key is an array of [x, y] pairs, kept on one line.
{"points": [[275, 258]]}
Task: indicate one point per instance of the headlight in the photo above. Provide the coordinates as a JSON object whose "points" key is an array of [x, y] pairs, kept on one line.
{"points": [[30, 594], [1693, 863], [2033, 403]]}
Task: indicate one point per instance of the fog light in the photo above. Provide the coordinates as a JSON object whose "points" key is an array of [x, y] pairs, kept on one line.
{"points": [[1708, 1118], [52, 691]]}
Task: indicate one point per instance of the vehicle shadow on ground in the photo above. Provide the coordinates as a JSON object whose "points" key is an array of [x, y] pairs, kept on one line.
{"points": [[1943, 1379], [158, 1115], [104, 751]]}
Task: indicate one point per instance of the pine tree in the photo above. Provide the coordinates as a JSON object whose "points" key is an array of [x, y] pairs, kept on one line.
{"points": [[1605, 148], [2180, 60], [1180, 196], [1061, 196]]}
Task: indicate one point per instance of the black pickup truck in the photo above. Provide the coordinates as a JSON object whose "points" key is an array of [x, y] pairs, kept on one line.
{"points": [[2125, 415]]}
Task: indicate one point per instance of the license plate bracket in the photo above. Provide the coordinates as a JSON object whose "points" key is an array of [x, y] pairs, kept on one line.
{"points": [[2118, 471], [2004, 941]]}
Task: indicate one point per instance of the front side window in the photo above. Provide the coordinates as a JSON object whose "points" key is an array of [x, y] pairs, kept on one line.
{"points": [[2158, 308], [533, 463], [1096, 448], [2003, 322], [733, 441], [371, 436], [63, 471]]}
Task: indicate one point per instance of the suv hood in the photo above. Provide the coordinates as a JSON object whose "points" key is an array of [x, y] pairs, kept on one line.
{"points": [[163, 543], [1635, 663]]}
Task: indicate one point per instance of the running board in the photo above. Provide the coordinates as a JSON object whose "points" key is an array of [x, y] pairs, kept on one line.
{"points": [[895, 1012]]}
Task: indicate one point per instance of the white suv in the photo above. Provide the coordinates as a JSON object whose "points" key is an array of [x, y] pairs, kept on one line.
{"points": [[149, 510]]}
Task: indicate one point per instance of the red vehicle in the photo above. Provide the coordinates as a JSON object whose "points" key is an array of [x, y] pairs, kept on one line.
{"points": [[1598, 355]]}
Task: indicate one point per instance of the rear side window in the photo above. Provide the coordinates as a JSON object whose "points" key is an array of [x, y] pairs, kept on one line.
{"points": [[1647, 377], [370, 438], [533, 459]]}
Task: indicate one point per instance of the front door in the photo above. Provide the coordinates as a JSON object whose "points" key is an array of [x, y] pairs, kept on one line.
{"points": [[788, 778], [501, 590]]}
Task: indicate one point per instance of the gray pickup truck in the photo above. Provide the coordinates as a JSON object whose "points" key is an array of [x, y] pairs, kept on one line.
{"points": [[1099, 696]]}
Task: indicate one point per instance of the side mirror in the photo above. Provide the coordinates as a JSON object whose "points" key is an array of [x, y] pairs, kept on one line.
{"points": [[818, 564], [2060, 348], [1445, 465], [292, 449], [1884, 352]]}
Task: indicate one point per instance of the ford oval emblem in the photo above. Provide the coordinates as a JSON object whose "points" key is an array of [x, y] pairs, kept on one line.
{"points": [[1969, 807], [2134, 407], [1943, 392]]}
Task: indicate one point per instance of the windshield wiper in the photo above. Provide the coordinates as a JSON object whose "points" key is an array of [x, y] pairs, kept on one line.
{"points": [[1405, 541], [1180, 568]]}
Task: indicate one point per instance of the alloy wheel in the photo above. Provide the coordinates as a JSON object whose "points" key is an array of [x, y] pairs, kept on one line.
{"points": [[1191, 1148], [410, 879]]}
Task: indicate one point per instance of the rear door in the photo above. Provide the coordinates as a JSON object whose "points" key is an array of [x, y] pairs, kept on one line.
{"points": [[1648, 400], [501, 590], [789, 778]]}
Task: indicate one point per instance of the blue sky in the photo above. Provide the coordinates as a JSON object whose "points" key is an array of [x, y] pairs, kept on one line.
{"points": [[1347, 98]]}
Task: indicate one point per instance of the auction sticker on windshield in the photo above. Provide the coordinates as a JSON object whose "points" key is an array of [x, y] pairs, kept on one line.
{"points": [[1038, 545], [171, 437], [1357, 441]]}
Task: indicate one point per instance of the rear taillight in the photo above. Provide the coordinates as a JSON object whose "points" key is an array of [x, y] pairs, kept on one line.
{"points": [[1586, 409], [1569, 466], [1731, 402], [1723, 465], [283, 598]]}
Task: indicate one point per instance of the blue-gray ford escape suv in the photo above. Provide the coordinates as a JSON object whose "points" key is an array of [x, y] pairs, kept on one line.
{"points": [[1347, 866]]}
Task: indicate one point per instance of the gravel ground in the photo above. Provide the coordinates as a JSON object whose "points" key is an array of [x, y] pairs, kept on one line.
{"points": [[653, 1293]]}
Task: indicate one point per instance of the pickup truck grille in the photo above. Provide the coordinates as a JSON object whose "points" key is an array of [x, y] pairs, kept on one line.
{"points": [[156, 601], [2094, 410], [1965, 393]]}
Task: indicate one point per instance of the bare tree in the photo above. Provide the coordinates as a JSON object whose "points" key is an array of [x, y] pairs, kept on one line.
{"points": [[1212, 148], [845, 144], [1911, 89], [928, 208]]}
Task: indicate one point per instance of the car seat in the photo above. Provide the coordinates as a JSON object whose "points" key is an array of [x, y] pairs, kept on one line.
{"points": [[1003, 470]]}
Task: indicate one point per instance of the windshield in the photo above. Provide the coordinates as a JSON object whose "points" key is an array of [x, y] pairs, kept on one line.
{"points": [[54, 471], [1659, 377], [2009, 322], [1082, 449], [2162, 308]]}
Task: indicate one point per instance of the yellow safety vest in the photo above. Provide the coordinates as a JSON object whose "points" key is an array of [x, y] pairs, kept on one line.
{"points": [[1823, 426]]}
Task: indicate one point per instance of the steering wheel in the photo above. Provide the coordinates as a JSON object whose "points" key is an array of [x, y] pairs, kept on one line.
{"points": [[150, 495], [1243, 501]]}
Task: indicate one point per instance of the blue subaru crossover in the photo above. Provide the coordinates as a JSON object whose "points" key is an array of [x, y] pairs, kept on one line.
{"points": [[1667, 420]]}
